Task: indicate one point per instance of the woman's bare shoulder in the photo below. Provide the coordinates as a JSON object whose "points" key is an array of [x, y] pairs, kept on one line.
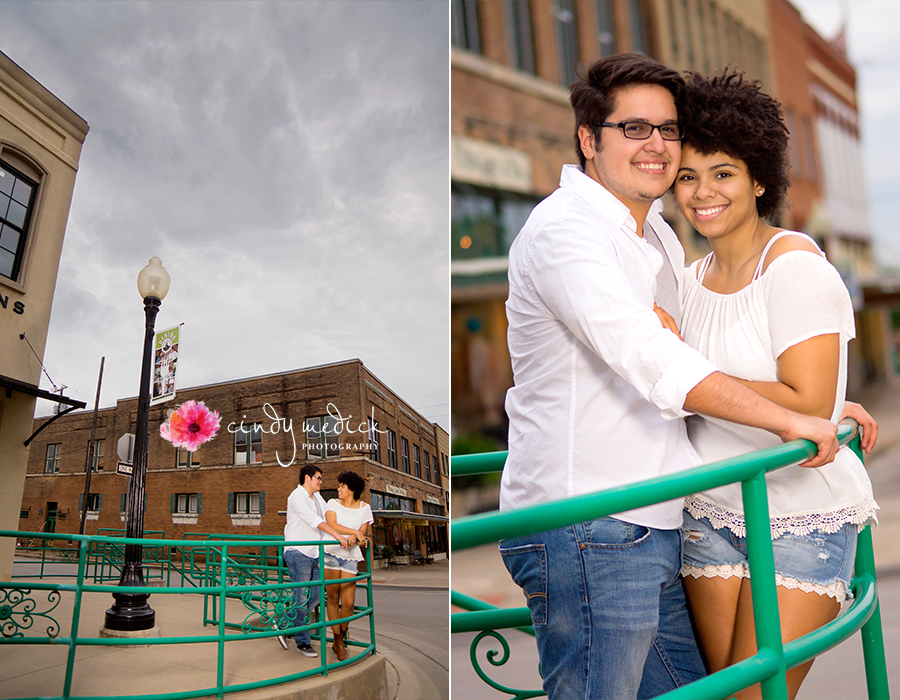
{"points": [[788, 244]]}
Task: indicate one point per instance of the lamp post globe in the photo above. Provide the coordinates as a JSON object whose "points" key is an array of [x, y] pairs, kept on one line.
{"points": [[130, 611]]}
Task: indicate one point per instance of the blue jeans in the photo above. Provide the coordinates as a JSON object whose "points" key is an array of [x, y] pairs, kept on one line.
{"points": [[302, 568], [608, 609]]}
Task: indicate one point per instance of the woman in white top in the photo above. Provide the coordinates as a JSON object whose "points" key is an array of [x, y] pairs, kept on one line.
{"points": [[349, 516], [767, 308]]}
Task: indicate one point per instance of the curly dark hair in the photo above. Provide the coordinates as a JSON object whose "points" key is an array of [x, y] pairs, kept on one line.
{"points": [[593, 94], [354, 482], [730, 114]]}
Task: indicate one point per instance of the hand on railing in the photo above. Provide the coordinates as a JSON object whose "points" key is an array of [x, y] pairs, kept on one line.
{"points": [[866, 423], [818, 430]]}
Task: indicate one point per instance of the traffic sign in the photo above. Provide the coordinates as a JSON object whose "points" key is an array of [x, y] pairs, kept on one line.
{"points": [[124, 468], [125, 447]]}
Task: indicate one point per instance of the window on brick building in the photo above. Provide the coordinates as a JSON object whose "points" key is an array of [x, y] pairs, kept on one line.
{"points": [[247, 503], [404, 452], [190, 503], [519, 40], [374, 440], [377, 500], [566, 40], [185, 458], [51, 463], [417, 461], [248, 444], [484, 222], [432, 508], [94, 501], [323, 437], [606, 31], [17, 198], [427, 467], [639, 27], [464, 25], [99, 450], [392, 449]]}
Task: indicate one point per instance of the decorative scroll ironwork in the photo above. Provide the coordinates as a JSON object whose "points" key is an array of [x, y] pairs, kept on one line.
{"points": [[269, 605], [492, 658], [18, 612]]}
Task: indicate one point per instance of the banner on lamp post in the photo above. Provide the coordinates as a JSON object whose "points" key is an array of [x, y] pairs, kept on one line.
{"points": [[166, 346]]}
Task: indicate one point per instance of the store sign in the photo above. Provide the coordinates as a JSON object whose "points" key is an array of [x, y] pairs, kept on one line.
{"points": [[481, 163], [17, 307], [433, 499], [395, 490]]}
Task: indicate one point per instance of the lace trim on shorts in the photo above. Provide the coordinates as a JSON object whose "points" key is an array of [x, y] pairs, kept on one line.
{"points": [[836, 590], [861, 513]]}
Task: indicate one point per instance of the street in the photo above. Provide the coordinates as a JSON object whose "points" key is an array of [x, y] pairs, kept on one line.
{"points": [[412, 629]]}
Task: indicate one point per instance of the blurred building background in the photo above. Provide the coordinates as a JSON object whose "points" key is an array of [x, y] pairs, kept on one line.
{"points": [[512, 129]]}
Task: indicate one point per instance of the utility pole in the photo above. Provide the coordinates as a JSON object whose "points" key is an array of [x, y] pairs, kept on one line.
{"points": [[89, 466]]}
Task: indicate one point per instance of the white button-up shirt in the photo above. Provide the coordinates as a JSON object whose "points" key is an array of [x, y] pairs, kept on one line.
{"points": [[599, 383], [304, 515]]}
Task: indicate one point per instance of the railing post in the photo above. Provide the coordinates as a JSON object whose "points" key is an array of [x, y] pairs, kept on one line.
{"points": [[766, 618], [871, 633], [220, 665]]}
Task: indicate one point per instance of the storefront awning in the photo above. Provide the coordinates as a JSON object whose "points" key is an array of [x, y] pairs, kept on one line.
{"points": [[406, 515]]}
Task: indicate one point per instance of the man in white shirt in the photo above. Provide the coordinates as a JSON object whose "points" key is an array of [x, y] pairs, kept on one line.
{"points": [[305, 523], [599, 389]]}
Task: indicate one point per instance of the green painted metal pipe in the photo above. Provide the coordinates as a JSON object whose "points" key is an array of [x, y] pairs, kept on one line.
{"points": [[499, 618], [492, 527]]}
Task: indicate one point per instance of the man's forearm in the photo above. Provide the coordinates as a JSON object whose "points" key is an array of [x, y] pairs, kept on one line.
{"points": [[720, 396], [328, 530]]}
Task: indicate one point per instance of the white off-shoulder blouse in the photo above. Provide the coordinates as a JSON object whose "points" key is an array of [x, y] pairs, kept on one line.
{"points": [[799, 296]]}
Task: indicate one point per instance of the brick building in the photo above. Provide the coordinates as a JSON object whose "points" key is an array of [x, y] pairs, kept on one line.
{"points": [[339, 416]]}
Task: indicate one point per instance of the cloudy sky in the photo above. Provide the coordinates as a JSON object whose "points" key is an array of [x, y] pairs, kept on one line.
{"points": [[874, 50], [287, 161]]}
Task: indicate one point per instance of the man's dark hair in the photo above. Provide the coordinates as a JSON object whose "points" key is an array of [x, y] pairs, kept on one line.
{"points": [[593, 94], [730, 114], [309, 470], [354, 482]]}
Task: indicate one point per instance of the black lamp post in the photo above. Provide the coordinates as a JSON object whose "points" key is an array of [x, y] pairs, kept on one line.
{"points": [[130, 612]]}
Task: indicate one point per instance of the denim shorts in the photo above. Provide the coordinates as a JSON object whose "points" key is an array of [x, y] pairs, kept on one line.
{"points": [[820, 562], [337, 564]]}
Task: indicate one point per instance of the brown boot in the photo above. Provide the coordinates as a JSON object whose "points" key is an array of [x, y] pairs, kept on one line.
{"points": [[338, 646]]}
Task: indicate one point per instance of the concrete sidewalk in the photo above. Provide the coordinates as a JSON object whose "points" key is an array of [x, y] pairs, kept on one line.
{"points": [[436, 575], [39, 670]]}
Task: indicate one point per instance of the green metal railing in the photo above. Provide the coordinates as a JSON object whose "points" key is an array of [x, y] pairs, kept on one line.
{"points": [[769, 665], [227, 572]]}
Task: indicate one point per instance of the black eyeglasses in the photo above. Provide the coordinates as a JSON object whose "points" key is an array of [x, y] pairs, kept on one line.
{"points": [[641, 131]]}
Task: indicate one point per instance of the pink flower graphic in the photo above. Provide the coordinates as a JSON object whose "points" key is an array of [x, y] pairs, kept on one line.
{"points": [[191, 425]]}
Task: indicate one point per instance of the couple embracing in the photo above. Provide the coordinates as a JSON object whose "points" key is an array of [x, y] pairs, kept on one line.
{"points": [[613, 343]]}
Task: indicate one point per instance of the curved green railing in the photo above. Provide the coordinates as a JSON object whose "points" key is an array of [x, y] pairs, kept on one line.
{"points": [[769, 665], [27, 618]]}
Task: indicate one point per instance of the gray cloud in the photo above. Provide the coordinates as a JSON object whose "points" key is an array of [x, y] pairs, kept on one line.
{"points": [[287, 161]]}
